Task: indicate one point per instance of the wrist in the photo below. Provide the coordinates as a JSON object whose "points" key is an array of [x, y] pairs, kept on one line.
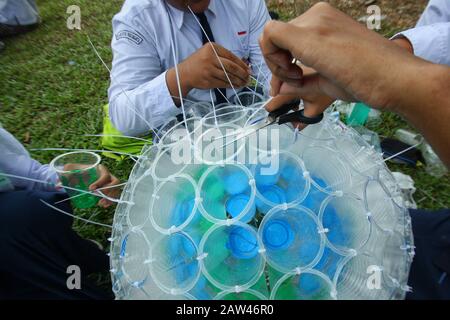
{"points": [[185, 80], [404, 43], [172, 83], [424, 86]]}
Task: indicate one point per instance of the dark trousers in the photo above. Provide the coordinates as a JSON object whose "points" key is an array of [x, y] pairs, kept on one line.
{"points": [[37, 245], [430, 271]]}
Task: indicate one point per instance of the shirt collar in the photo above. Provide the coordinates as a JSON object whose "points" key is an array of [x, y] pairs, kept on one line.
{"points": [[179, 15]]}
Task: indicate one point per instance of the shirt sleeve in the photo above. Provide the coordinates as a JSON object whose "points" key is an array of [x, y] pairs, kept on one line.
{"points": [[15, 160], [436, 11], [430, 42], [139, 98], [258, 19]]}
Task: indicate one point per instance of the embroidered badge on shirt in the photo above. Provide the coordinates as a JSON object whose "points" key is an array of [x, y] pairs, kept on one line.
{"points": [[132, 36]]}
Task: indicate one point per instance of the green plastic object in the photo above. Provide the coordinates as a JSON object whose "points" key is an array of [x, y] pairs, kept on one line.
{"points": [[113, 140], [77, 172], [81, 179], [359, 115]]}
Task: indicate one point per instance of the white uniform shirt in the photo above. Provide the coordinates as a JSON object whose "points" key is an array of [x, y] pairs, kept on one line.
{"points": [[143, 53], [431, 36], [15, 160], [14, 12]]}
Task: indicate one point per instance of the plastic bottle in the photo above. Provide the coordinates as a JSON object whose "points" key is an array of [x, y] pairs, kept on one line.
{"points": [[434, 165]]}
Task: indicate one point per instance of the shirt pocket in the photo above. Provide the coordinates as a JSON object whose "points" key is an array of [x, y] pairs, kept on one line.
{"points": [[240, 43]]}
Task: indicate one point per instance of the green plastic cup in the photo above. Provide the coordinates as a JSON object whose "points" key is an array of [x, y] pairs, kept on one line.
{"points": [[78, 170]]}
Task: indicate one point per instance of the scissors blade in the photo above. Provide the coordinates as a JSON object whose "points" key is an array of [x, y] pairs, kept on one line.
{"points": [[249, 131], [255, 126]]}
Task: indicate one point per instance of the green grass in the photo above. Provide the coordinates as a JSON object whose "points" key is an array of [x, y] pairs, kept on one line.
{"points": [[47, 102]]}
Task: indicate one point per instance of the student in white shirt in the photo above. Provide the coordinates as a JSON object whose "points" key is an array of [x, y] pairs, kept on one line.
{"points": [[38, 243], [430, 39], [151, 37]]}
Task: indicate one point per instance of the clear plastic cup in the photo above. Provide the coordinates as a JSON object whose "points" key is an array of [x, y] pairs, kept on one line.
{"points": [[397, 248], [166, 127], [247, 98], [353, 277], [280, 179], [174, 204], [174, 266], [308, 285], [274, 138], [78, 170], [358, 153], [168, 165], [181, 131], [335, 174], [247, 295], [291, 238], [227, 115], [200, 109], [330, 262], [380, 206], [231, 257], [204, 289], [141, 196], [218, 145], [346, 221], [227, 192], [134, 258]]}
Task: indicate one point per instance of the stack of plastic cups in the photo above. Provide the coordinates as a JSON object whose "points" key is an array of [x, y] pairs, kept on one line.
{"points": [[293, 240], [174, 204], [231, 257], [346, 221], [134, 257], [247, 98], [174, 265], [280, 179], [308, 285], [227, 192], [234, 115]]}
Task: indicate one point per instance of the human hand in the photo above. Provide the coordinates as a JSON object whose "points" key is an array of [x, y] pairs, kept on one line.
{"points": [[352, 62], [106, 182], [315, 102], [202, 70]]}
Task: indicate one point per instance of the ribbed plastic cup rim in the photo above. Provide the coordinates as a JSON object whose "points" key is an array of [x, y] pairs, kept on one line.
{"points": [[94, 155]]}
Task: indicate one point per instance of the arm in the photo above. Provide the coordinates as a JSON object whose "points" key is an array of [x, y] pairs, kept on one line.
{"points": [[364, 66], [431, 42], [138, 96], [142, 95], [15, 160]]}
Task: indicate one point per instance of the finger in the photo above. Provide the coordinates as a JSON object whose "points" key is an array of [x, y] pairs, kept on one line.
{"points": [[281, 36], [236, 70], [109, 188], [227, 78], [281, 63], [283, 68], [316, 85], [278, 101], [110, 192], [104, 203], [224, 53], [222, 83], [104, 178], [275, 85]]}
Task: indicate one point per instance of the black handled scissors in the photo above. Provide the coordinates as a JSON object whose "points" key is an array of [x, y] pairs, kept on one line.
{"points": [[283, 115], [280, 116]]}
